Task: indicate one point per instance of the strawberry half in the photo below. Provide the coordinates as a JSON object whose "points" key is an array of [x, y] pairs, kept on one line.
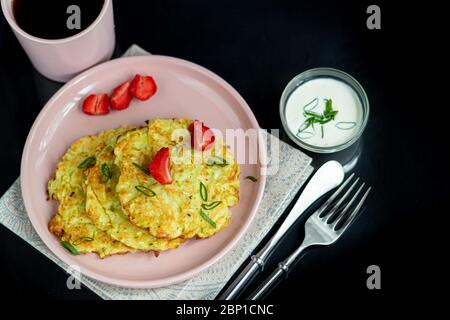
{"points": [[201, 135], [121, 96], [143, 87], [96, 104], [160, 166]]}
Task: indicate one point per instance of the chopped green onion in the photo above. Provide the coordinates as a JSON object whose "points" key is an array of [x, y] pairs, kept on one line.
{"points": [[332, 114], [315, 100], [217, 161], [203, 192], [303, 127], [83, 239], [70, 248], [305, 135], [345, 125], [212, 205], [251, 178], [321, 129], [315, 118], [143, 169], [205, 216], [312, 114], [86, 163], [106, 172], [328, 106], [148, 192]]}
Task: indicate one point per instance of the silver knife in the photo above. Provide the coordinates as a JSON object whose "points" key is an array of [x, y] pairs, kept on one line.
{"points": [[327, 177]]}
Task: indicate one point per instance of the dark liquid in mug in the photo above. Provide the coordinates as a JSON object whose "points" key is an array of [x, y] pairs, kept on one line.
{"points": [[47, 19]]}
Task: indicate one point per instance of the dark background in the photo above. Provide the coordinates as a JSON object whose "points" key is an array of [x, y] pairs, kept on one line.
{"points": [[258, 46]]}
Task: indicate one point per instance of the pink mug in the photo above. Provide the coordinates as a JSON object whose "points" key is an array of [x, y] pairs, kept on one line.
{"points": [[62, 59]]}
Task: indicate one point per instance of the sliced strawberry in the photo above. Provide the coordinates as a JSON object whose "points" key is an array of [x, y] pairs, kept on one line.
{"points": [[143, 87], [160, 166], [96, 104], [201, 135], [121, 96], [89, 104]]}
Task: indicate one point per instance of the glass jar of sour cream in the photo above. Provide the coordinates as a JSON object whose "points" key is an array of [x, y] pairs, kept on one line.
{"points": [[324, 110]]}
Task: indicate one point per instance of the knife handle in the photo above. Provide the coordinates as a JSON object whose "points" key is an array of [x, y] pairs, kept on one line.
{"points": [[269, 283], [243, 279], [279, 273]]}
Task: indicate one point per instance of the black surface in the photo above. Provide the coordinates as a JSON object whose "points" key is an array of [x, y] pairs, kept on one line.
{"points": [[258, 46]]}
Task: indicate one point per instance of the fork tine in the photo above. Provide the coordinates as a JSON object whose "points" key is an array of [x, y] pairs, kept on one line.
{"points": [[341, 216], [330, 214], [333, 196], [354, 214]]}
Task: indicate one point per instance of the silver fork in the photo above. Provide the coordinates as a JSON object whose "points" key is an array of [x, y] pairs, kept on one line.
{"points": [[323, 228]]}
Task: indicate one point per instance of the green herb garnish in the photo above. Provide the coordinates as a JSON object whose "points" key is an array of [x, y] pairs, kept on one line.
{"points": [[345, 125], [143, 169], [106, 172], [313, 103], [205, 216], [203, 192], [86, 163], [70, 248], [221, 162], [212, 205], [83, 239], [305, 135], [251, 178], [315, 118], [148, 192], [329, 112]]}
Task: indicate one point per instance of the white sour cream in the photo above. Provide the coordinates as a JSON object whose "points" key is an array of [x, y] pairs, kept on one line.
{"points": [[345, 100]]}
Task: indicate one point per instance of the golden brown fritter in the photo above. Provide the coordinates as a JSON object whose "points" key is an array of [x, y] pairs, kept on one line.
{"points": [[103, 207], [71, 223], [176, 209]]}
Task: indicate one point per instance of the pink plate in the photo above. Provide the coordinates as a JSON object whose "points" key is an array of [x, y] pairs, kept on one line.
{"points": [[184, 90]]}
